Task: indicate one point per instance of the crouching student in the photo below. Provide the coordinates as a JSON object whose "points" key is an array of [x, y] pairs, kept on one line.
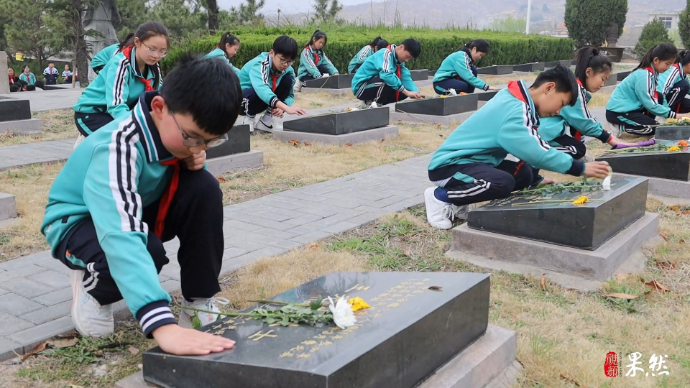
{"points": [[384, 78], [635, 103], [673, 84], [267, 84], [314, 63], [377, 44], [469, 167], [136, 183], [458, 74], [566, 130], [226, 49]]}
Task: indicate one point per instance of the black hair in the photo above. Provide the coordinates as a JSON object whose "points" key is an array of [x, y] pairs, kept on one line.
{"points": [[24, 67], [149, 29], [663, 51], [684, 57], [480, 44], [228, 38], [318, 34], [215, 109], [562, 77], [587, 57], [412, 46], [375, 41], [286, 46], [127, 41], [381, 43]]}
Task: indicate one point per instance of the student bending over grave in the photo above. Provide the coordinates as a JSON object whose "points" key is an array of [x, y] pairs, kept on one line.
{"points": [[364, 54], [125, 77], [591, 72], [458, 74], [267, 84], [635, 102], [673, 83], [384, 78], [469, 167], [104, 56], [136, 183], [226, 49], [314, 63]]}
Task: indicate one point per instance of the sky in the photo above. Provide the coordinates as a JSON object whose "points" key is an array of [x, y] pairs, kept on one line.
{"points": [[286, 6]]}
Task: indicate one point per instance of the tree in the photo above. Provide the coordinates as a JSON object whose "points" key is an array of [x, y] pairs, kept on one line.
{"points": [[212, 10], [684, 26], [590, 21], [325, 13], [181, 20], [248, 13], [133, 13], [653, 33]]}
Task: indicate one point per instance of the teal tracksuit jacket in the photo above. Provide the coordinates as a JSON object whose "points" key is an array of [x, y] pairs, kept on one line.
{"points": [[386, 65], [259, 75], [638, 91], [310, 60], [219, 53], [458, 64]]}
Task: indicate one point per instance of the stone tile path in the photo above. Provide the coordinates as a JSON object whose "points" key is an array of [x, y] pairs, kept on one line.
{"points": [[35, 293], [48, 99]]}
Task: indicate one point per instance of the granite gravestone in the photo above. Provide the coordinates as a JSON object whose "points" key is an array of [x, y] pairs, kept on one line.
{"points": [[529, 67], [496, 70], [407, 334], [13, 110], [621, 75], [672, 132], [664, 164], [340, 81], [439, 106], [611, 81], [419, 75], [4, 80], [486, 96], [238, 142], [340, 123], [585, 226]]}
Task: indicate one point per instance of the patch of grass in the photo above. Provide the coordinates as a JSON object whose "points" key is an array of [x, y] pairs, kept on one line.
{"points": [[58, 124]]}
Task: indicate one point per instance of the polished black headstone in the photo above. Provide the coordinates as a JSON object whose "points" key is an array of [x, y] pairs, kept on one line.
{"points": [[496, 70], [340, 81], [486, 96], [340, 123], [419, 75], [622, 74], [667, 165], [672, 132], [529, 67], [552, 64], [584, 226], [611, 81], [439, 106], [407, 334], [238, 142], [12, 109]]}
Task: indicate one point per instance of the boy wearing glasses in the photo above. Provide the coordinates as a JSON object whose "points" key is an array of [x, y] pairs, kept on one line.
{"points": [[267, 84], [128, 74], [136, 183]]}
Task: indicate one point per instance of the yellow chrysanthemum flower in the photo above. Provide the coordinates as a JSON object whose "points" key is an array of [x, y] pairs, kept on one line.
{"points": [[674, 149], [358, 303], [580, 200]]}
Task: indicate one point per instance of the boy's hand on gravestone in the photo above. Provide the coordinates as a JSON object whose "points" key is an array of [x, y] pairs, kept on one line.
{"points": [[414, 95], [178, 340], [277, 112], [293, 110], [196, 161], [597, 169]]}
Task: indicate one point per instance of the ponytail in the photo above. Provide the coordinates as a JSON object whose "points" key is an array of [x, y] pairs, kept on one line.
{"points": [[381, 44], [663, 51], [480, 44], [684, 57], [128, 41], [228, 38], [590, 57], [375, 42]]}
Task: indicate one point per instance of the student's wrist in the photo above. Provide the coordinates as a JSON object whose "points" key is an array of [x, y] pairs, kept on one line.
{"points": [[576, 169]]}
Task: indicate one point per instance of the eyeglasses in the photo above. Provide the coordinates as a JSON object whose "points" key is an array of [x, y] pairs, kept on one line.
{"points": [[196, 142], [284, 61], [152, 51]]}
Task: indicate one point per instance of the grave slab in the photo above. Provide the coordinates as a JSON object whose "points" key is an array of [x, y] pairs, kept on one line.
{"points": [[448, 120], [552, 64], [381, 350], [666, 187], [606, 214], [486, 96], [22, 126], [529, 67], [13, 110], [339, 123], [498, 251], [666, 165], [621, 75], [672, 132], [238, 142], [611, 81], [496, 70], [341, 81], [8, 206], [439, 106], [376, 134], [419, 75], [223, 164]]}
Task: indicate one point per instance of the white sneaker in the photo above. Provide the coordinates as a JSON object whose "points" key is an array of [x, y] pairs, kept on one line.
{"points": [[265, 123], [438, 213], [298, 86], [89, 317], [249, 120], [186, 316]]}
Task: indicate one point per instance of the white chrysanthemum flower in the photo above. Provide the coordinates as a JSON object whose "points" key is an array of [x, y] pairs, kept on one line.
{"points": [[606, 184], [343, 316]]}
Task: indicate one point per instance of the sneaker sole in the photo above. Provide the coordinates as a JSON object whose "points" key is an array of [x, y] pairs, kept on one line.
{"points": [[428, 197]]}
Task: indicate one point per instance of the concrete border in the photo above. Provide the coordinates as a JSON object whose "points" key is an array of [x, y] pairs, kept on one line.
{"points": [[665, 187], [22, 126], [377, 134], [8, 206], [224, 164], [598, 265], [418, 118], [490, 361]]}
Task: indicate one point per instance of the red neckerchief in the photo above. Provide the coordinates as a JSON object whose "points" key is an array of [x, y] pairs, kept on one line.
{"points": [[147, 82], [656, 92], [578, 135], [397, 72], [275, 81], [168, 195], [317, 58], [11, 79]]}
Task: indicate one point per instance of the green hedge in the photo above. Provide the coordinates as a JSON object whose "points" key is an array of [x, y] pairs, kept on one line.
{"points": [[345, 42]]}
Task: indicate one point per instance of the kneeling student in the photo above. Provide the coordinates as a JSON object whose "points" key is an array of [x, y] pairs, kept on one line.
{"points": [[469, 167]]}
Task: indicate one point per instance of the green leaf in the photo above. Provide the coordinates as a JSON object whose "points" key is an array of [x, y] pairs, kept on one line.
{"points": [[316, 304], [196, 322]]}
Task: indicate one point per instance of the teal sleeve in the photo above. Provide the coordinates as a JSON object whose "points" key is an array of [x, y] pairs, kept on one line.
{"points": [[307, 63], [388, 72], [524, 143], [461, 67], [260, 85], [116, 209], [117, 88], [644, 90], [406, 79], [331, 69], [580, 118]]}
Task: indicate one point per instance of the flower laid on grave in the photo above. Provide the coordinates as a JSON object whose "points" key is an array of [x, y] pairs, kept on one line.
{"points": [[343, 316], [582, 186], [681, 121], [358, 303], [581, 200], [683, 143], [674, 149]]}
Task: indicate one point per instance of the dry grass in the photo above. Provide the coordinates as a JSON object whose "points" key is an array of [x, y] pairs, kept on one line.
{"points": [[599, 99], [58, 124], [314, 100]]}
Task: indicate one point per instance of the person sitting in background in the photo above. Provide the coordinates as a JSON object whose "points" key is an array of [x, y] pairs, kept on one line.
{"points": [[16, 85], [30, 79], [50, 74], [67, 75]]}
